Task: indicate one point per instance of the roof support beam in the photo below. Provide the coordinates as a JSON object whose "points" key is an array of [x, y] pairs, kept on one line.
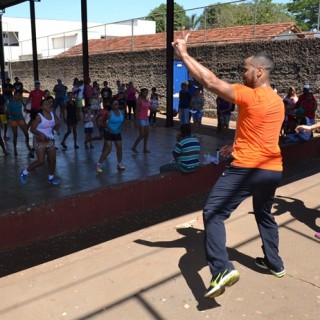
{"points": [[9, 3], [2, 64], [34, 41], [85, 46], [170, 18]]}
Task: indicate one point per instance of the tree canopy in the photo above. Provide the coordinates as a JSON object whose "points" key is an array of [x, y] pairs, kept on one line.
{"points": [[305, 12], [158, 15], [259, 12]]}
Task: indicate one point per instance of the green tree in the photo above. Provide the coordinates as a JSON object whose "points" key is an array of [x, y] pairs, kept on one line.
{"points": [[305, 11], [193, 22], [259, 12], [158, 15], [228, 15]]}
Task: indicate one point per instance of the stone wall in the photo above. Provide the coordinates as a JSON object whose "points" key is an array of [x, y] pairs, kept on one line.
{"points": [[297, 62]]}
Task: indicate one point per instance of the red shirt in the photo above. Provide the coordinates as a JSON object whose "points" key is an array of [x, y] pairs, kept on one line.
{"points": [[36, 97], [308, 103]]}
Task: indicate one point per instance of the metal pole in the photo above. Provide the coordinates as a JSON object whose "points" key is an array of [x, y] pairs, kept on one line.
{"points": [[2, 64], [170, 18], [205, 23], [255, 18], [132, 34], [318, 26], [34, 41], [85, 46]]}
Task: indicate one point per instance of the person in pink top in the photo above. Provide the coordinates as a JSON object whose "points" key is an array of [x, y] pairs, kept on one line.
{"points": [[87, 92], [143, 105], [131, 99]]}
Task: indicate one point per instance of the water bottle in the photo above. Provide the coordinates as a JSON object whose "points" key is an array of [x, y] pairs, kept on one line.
{"points": [[218, 155], [206, 158]]}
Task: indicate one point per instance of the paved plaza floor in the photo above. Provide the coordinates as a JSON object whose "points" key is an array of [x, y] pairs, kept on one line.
{"points": [[160, 272], [76, 168]]}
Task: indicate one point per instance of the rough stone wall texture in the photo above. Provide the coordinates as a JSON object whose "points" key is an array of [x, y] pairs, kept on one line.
{"points": [[297, 62]]}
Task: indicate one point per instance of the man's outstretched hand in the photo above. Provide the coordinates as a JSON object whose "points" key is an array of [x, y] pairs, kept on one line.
{"points": [[180, 45]]}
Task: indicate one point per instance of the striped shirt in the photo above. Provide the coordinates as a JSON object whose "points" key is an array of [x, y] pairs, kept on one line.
{"points": [[187, 154]]}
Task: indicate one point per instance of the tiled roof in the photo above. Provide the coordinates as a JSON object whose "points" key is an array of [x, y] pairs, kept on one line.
{"points": [[218, 35]]}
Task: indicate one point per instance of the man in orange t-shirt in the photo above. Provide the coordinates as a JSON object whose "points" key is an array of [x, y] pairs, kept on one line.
{"points": [[255, 170]]}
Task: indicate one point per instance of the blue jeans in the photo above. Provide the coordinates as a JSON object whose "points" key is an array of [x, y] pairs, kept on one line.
{"points": [[235, 185], [184, 115]]}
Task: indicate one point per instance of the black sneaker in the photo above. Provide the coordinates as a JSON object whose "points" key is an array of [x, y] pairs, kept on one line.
{"points": [[262, 263], [222, 280]]}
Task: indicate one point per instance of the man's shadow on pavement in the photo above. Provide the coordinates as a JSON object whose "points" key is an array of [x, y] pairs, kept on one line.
{"points": [[194, 260], [298, 210]]}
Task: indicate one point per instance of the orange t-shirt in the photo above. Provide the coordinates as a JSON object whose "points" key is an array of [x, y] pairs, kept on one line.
{"points": [[260, 117]]}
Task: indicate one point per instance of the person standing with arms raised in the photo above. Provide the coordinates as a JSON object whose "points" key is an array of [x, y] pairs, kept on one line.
{"points": [[256, 166]]}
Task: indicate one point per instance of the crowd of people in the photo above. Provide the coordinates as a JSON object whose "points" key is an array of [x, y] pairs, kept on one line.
{"points": [[102, 107], [85, 102], [299, 110]]}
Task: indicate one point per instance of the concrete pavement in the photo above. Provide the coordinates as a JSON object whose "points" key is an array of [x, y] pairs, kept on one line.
{"points": [[160, 272], [77, 168]]}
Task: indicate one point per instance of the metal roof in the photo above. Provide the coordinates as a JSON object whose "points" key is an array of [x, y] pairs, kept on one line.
{"points": [[9, 3]]}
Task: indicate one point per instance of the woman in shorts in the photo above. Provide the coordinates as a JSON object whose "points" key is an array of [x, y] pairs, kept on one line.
{"points": [[43, 127], [112, 133], [143, 105], [16, 119]]}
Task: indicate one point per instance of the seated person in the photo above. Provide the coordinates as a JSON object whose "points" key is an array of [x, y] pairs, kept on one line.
{"points": [[300, 135], [186, 153], [224, 109]]}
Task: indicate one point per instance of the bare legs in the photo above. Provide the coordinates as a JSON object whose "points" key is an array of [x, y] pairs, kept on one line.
{"points": [[24, 129], [107, 146], [41, 152], [143, 135], [75, 136]]}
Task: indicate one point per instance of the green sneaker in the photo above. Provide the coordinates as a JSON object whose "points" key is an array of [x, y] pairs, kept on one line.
{"points": [[222, 280], [262, 263]]}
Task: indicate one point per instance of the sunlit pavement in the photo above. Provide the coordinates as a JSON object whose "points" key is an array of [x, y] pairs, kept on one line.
{"points": [[160, 272], [76, 168]]}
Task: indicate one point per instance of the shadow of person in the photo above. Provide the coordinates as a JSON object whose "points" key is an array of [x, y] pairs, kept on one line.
{"points": [[298, 210], [194, 260], [190, 263]]}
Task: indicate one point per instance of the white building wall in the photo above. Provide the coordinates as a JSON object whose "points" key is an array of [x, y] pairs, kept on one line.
{"points": [[56, 36]]}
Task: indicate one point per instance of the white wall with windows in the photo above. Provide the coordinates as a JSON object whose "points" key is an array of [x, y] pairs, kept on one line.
{"points": [[56, 36]]}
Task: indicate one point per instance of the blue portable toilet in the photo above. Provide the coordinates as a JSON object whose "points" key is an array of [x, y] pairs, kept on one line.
{"points": [[180, 74]]}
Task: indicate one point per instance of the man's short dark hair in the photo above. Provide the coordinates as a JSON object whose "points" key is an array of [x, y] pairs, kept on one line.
{"points": [[264, 59]]}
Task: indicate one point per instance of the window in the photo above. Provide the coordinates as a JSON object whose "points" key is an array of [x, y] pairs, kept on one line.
{"points": [[11, 38], [64, 42]]}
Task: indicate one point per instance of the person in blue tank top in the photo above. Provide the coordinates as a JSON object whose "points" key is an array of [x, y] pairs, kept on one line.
{"points": [[112, 133]]}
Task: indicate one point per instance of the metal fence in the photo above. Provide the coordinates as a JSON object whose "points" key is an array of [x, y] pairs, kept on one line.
{"points": [[123, 35]]}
